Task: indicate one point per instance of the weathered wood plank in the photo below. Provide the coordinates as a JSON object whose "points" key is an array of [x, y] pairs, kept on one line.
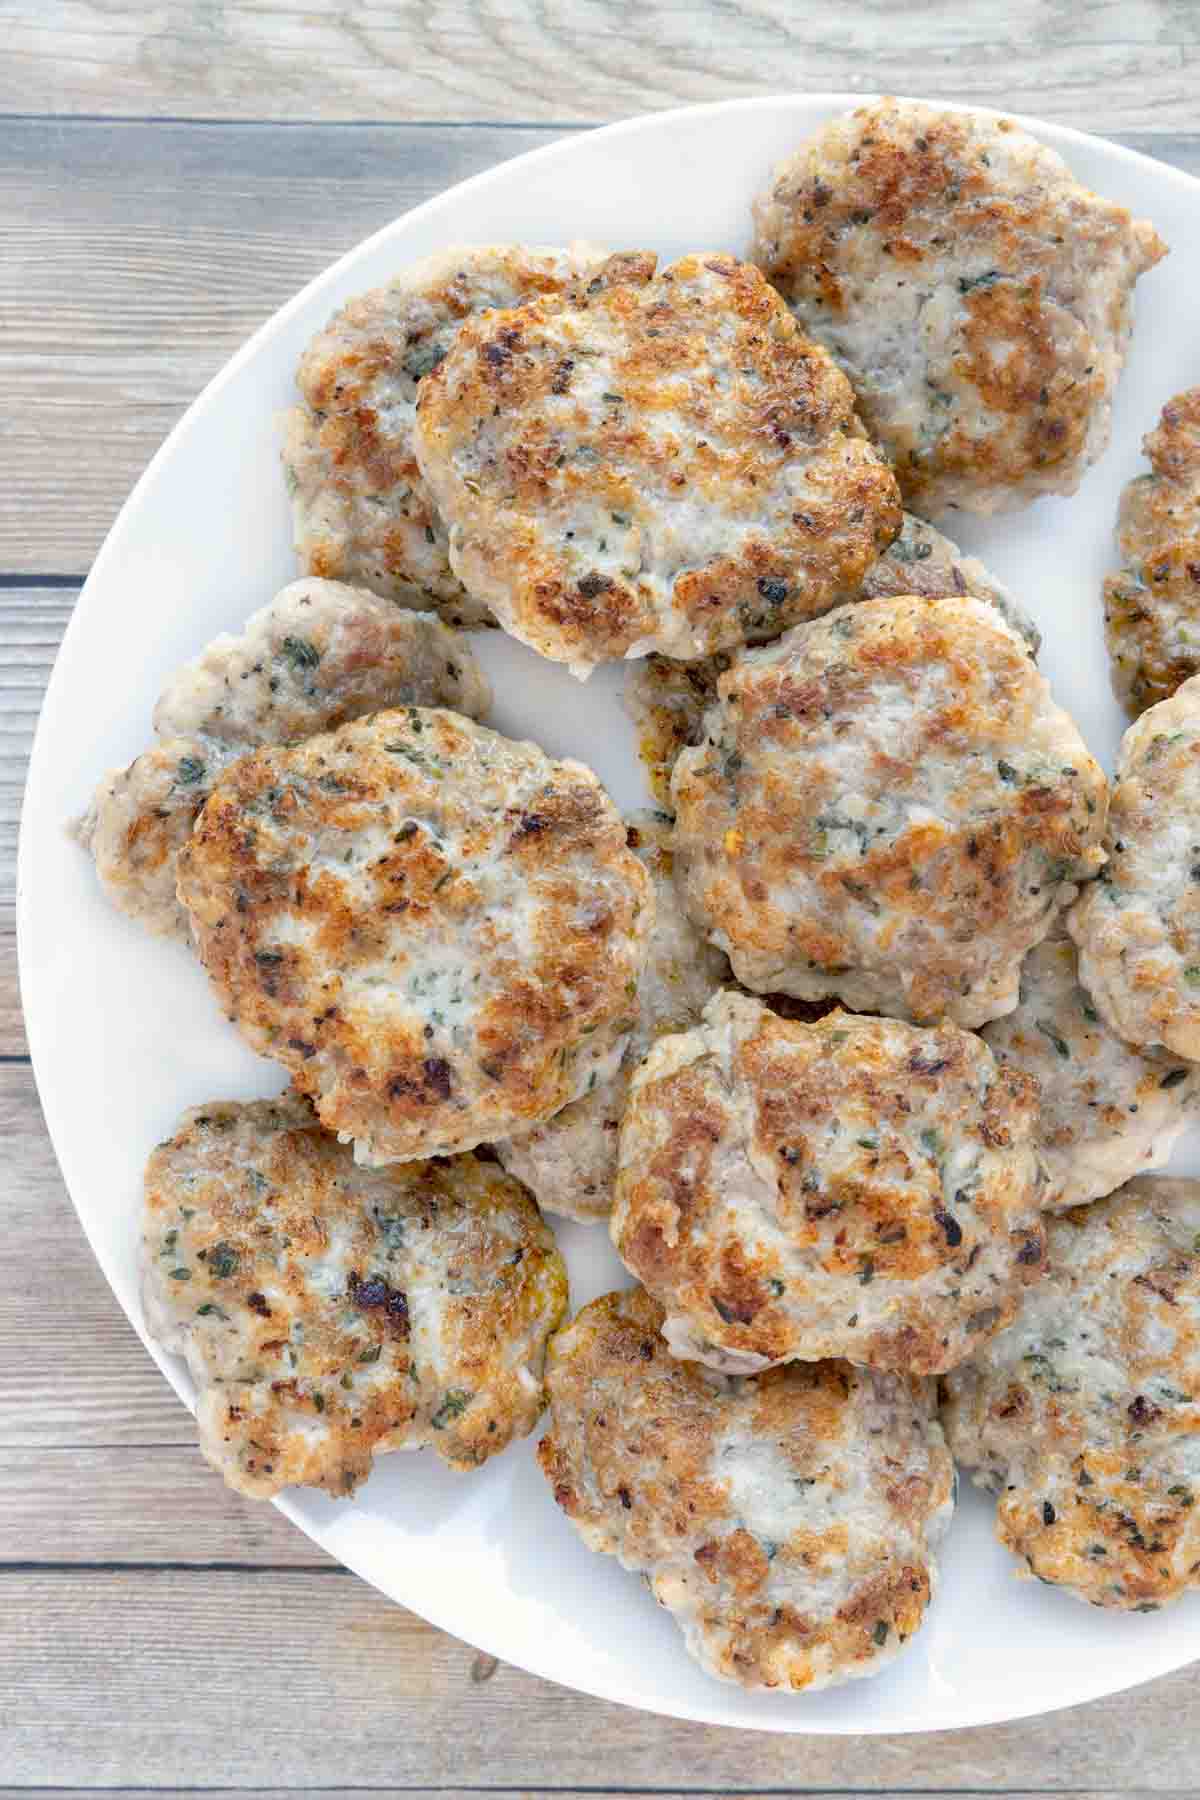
{"points": [[72, 1371], [12, 1021], [32, 621], [308, 1654], [1110, 64], [253, 1635], [171, 244], [133, 1505], [313, 1680], [144, 256]]}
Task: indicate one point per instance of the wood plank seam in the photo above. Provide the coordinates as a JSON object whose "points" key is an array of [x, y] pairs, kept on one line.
{"points": [[13, 578], [187, 300], [215, 119], [1098, 64], [36, 1566], [637, 1728]]}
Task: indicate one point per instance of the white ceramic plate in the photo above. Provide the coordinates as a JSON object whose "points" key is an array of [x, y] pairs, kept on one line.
{"points": [[124, 1034]]}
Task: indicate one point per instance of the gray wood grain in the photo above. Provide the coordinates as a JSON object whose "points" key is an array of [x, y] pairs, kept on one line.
{"points": [[137, 258], [135, 1504], [12, 1022], [32, 621], [90, 387], [1105, 64], [172, 244], [98, 1464], [161, 1678], [72, 1371]]}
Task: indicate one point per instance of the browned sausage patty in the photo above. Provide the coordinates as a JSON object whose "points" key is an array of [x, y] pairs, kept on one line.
{"points": [[438, 931], [787, 1521], [853, 1187], [329, 1313], [663, 464]]}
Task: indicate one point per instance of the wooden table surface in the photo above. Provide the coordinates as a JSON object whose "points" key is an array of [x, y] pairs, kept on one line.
{"points": [[169, 175]]}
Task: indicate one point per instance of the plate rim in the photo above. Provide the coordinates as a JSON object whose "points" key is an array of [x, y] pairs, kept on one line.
{"points": [[1057, 136]]}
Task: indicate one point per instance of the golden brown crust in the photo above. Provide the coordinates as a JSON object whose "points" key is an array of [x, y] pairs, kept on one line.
{"points": [[667, 464], [436, 929], [785, 1520], [330, 1313], [852, 1187], [319, 654], [668, 700], [887, 807], [1152, 607], [362, 511], [570, 1161], [1084, 1416], [975, 293]]}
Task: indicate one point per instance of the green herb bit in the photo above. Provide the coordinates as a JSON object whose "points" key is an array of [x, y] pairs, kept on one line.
{"points": [[189, 772], [181, 1274], [454, 1403], [1060, 1043], [859, 891], [422, 361], [880, 1632], [1006, 772], [210, 1309], [967, 282], [372, 1355], [222, 1261], [300, 653]]}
